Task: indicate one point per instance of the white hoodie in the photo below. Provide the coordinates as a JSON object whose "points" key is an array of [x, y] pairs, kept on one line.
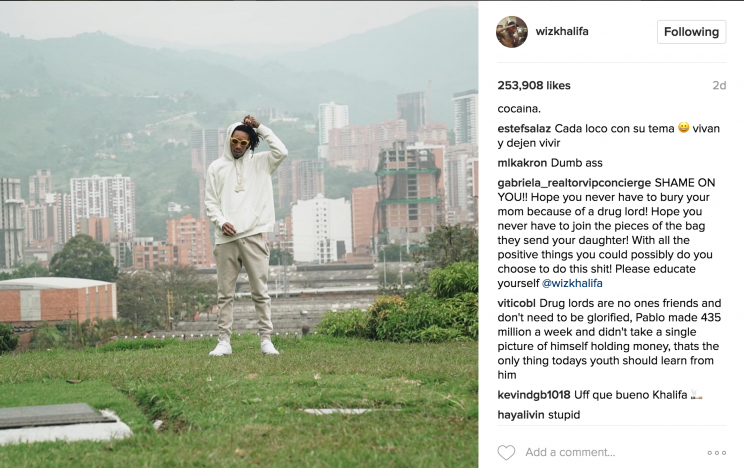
{"points": [[250, 211]]}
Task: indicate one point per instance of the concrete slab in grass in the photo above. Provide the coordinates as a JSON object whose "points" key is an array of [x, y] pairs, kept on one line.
{"points": [[99, 395], [322, 411], [50, 415], [112, 428]]}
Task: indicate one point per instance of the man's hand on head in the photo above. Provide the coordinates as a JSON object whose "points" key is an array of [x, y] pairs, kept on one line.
{"points": [[251, 121], [228, 229]]}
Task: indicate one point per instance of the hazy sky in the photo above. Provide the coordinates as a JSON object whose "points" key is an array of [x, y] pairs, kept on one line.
{"points": [[208, 23]]}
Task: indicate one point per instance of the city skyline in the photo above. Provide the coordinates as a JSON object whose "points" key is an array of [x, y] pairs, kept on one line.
{"points": [[413, 199], [452, 199]]}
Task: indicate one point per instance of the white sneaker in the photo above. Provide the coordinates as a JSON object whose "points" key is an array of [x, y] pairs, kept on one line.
{"points": [[267, 347], [222, 348]]}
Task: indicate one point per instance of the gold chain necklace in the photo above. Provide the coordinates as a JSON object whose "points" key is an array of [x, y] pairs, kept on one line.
{"points": [[239, 187]]}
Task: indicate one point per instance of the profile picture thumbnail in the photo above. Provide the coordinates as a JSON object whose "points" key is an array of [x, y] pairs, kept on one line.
{"points": [[511, 32]]}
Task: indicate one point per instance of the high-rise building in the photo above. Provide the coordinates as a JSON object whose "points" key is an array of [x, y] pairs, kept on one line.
{"points": [[330, 116], [192, 237], [472, 178], [206, 146], [460, 183], [12, 238], [37, 226], [105, 197], [39, 186], [122, 253], [433, 134], [358, 147], [466, 117], [411, 192], [48, 226], [321, 229], [102, 230], [300, 179], [36, 215], [149, 253], [285, 185], [285, 233], [412, 109], [59, 217], [363, 218], [351, 146], [50, 218]]}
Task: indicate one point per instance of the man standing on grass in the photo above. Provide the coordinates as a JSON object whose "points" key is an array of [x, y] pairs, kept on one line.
{"points": [[239, 199]]}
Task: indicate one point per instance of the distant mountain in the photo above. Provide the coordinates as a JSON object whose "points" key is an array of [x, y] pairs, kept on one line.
{"points": [[252, 51], [369, 101], [98, 64], [440, 45], [365, 71]]}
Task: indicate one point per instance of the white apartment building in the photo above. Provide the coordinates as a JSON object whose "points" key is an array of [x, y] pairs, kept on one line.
{"points": [[466, 117], [105, 197], [321, 229], [12, 229], [330, 116]]}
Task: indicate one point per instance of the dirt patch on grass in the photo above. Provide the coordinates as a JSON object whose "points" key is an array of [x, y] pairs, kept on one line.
{"points": [[154, 406]]}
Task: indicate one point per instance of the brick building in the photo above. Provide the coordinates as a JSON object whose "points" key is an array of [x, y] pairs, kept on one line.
{"points": [[358, 147], [433, 134], [411, 192], [100, 229], [300, 179], [363, 218], [29, 301], [191, 236], [148, 253]]}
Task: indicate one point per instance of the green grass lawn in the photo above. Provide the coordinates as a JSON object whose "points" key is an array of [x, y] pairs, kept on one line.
{"points": [[243, 410]]}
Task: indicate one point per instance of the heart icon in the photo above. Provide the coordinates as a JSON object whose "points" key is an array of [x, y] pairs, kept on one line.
{"points": [[506, 451]]}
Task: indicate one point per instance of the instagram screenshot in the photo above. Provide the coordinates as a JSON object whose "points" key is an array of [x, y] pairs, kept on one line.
{"points": [[612, 174]]}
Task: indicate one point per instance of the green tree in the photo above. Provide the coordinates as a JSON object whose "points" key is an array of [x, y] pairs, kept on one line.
{"points": [[83, 257], [47, 337], [128, 257], [143, 295], [90, 333], [460, 277], [115, 327], [446, 245], [187, 287], [8, 341], [449, 244], [140, 300], [280, 257], [32, 270]]}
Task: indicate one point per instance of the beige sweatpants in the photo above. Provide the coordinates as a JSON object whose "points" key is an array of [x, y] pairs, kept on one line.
{"points": [[253, 253]]}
